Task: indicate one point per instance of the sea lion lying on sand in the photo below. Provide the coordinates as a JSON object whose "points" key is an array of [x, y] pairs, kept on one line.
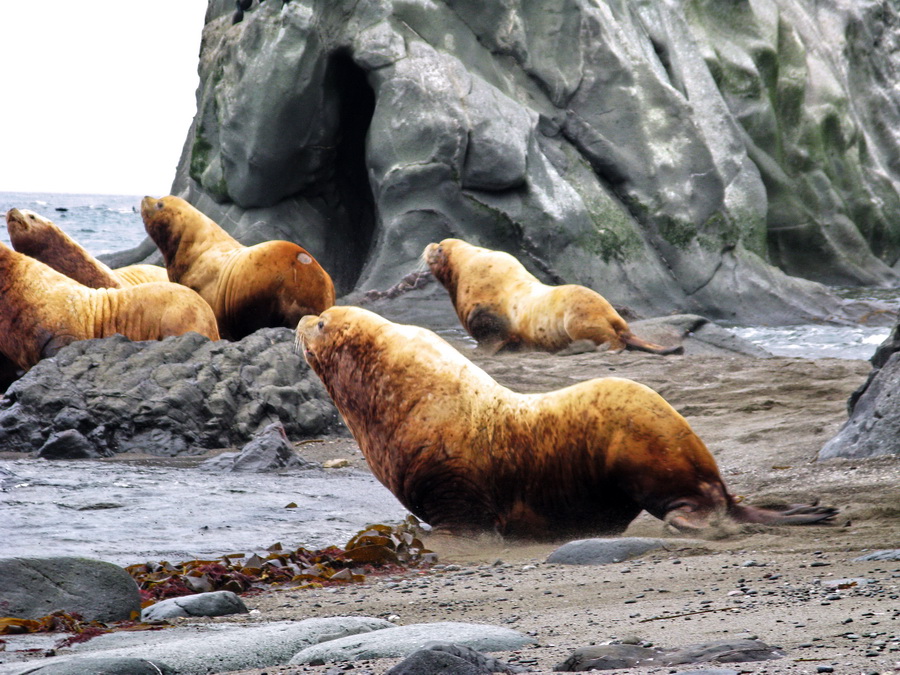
{"points": [[36, 236], [248, 287], [42, 310], [466, 454], [503, 306]]}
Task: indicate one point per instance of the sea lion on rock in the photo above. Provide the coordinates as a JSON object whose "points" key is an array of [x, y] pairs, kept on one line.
{"points": [[467, 455], [503, 306], [42, 310], [249, 287], [36, 236]]}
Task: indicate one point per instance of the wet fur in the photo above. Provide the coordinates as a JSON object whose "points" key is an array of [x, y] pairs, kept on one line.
{"points": [[40, 238], [42, 310], [504, 307], [249, 287], [467, 455]]}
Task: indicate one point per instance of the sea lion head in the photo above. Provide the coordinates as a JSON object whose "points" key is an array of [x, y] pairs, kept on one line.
{"points": [[440, 259], [319, 337], [22, 223], [345, 346], [165, 219]]}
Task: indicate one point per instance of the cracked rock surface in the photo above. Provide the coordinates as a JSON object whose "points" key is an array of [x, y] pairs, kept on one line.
{"points": [[672, 156]]}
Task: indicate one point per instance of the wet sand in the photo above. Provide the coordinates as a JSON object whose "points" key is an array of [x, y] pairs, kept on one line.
{"points": [[764, 420]]}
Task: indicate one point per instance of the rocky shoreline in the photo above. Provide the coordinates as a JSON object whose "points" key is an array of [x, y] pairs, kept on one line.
{"points": [[800, 589]]}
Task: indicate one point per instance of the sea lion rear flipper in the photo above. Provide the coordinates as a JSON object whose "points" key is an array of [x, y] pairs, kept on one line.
{"points": [[632, 341]]}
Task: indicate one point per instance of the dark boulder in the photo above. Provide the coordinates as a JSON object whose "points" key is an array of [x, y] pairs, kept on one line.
{"points": [[873, 426], [31, 588], [269, 450], [182, 395]]}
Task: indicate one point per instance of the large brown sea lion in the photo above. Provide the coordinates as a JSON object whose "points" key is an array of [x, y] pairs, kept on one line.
{"points": [[36, 236], [503, 306], [249, 287], [42, 310], [465, 454]]}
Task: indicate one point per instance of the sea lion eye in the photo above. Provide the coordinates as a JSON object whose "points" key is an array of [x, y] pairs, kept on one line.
{"points": [[321, 324], [159, 206]]}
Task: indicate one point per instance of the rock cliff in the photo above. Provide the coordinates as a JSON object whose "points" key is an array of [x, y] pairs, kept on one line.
{"points": [[699, 156]]}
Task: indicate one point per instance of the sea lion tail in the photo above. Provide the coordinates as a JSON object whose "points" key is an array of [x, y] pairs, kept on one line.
{"points": [[632, 341], [796, 514]]}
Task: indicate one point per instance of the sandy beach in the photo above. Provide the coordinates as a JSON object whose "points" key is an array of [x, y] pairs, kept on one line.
{"points": [[798, 588]]}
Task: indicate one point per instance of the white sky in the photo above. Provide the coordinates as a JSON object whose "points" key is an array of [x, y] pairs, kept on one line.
{"points": [[96, 97]]}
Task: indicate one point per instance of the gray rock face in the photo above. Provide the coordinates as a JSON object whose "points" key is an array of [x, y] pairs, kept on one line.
{"points": [[670, 155], [403, 640], [181, 395], [873, 426], [31, 588], [214, 603]]}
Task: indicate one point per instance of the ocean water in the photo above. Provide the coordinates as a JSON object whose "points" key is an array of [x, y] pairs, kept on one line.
{"points": [[100, 223]]}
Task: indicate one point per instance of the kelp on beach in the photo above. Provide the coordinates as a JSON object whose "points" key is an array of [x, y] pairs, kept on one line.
{"points": [[377, 549]]}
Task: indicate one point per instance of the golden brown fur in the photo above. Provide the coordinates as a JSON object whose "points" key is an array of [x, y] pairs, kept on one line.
{"points": [[465, 454], [40, 238], [270, 284], [503, 306], [42, 310]]}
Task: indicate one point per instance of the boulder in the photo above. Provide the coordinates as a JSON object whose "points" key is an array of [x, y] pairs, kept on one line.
{"points": [[103, 666], [269, 450], [181, 395], [889, 555], [199, 650], [404, 640], [214, 603], [672, 156], [873, 426], [609, 657], [31, 588], [603, 551], [446, 658], [68, 444]]}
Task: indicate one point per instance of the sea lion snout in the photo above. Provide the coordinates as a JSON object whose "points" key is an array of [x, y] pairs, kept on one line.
{"points": [[150, 204], [307, 328], [17, 219]]}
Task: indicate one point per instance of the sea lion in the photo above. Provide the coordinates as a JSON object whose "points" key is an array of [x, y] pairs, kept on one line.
{"points": [[467, 455], [42, 310], [41, 238], [504, 307], [249, 287]]}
